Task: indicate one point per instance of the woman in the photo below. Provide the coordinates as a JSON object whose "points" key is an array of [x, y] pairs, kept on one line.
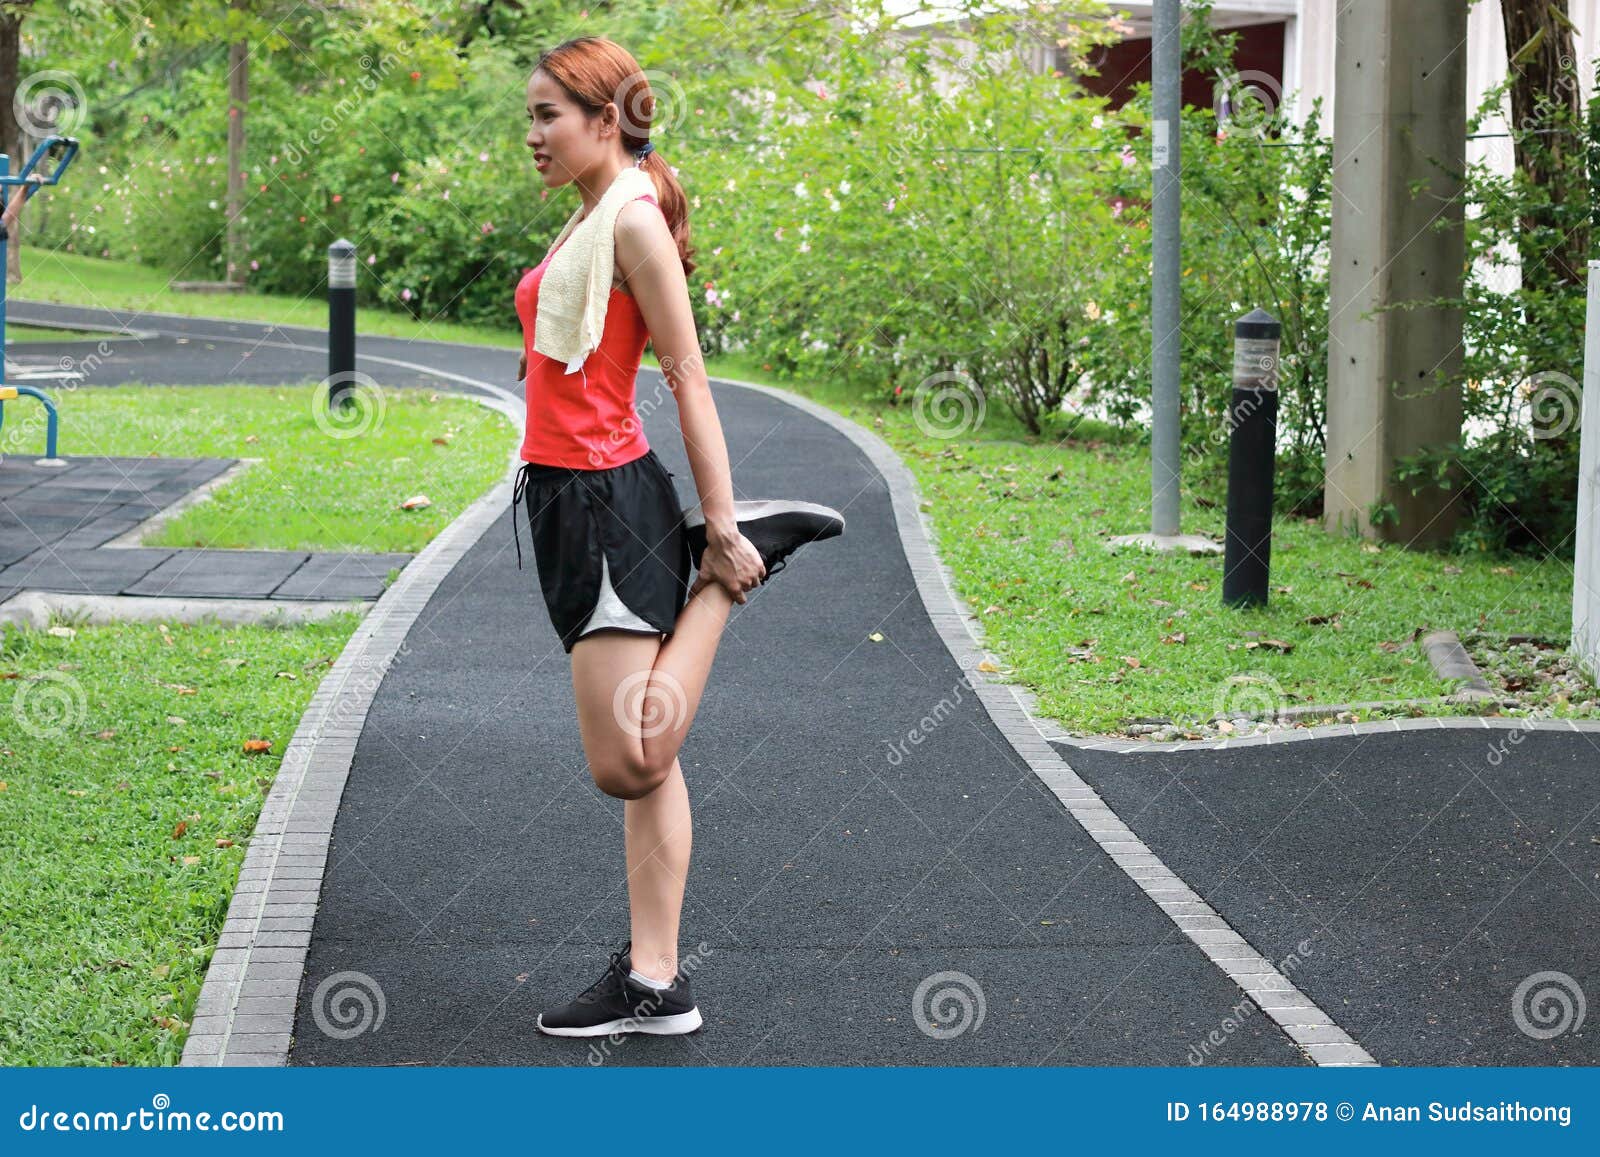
{"points": [[612, 543]]}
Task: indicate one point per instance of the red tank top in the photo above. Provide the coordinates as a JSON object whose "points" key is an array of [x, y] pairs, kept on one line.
{"points": [[584, 419]]}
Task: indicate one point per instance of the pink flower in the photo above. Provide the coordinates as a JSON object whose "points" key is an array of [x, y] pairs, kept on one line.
{"points": [[336, 197], [405, 295], [255, 265], [486, 227], [393, 177], [371, 258]]}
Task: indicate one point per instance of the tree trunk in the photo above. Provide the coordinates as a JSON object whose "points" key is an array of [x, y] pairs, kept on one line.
{"points": [[11, 142], [1544, 94], [238, 95]]}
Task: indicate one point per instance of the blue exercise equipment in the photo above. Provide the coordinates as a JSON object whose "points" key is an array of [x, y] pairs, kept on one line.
{"points": [[66, 148]]}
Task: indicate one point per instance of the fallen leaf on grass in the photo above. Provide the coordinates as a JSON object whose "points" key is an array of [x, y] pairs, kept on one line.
{"points": [[1199, 586], [416, 502], [224, 843], [1175, 637], [160, 970], [256, 746], [62, 632], [108, 733], [177, 721], [172, 1023], [182, 826], [190, 861]]}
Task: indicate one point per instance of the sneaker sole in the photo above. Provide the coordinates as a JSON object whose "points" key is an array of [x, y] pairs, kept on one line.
{"points": [[653, 1026], [767, 508]]}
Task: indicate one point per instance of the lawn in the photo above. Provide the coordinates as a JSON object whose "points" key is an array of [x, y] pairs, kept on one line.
{"points": [[126, 801], [73, 279], [1104, 638], [127, 793], [320, 485]]}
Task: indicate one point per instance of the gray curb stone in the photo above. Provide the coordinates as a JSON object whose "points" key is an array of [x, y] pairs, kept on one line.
{"points": [[245, 1011], [1013, 710]]}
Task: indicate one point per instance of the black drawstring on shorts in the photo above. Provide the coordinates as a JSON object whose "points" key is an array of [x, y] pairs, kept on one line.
{"points": [[517, 490]]}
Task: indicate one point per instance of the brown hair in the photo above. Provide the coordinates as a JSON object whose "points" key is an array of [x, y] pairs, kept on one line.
{"points": [[594, 71]]}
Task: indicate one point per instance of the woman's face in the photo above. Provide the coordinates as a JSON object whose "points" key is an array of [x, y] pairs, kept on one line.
{"points": [[564, 141]]}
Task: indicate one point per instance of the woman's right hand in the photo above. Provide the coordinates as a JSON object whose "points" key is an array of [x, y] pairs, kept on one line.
{"points": [[733, 562], [522, 367]]}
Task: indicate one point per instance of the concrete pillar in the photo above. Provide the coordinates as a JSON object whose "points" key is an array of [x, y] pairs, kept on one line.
{"points": [[1400, 75]]}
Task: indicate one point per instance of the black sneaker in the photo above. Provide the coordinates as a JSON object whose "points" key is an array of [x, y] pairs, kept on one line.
{"points": [[776, 527], [616, 1003]]}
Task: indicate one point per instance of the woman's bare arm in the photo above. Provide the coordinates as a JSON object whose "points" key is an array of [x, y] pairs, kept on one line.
{"points": [[648, 256]]}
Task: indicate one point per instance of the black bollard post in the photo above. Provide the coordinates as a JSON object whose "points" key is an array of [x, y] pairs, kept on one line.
{"points": [[1252, 454], [341, 323]]}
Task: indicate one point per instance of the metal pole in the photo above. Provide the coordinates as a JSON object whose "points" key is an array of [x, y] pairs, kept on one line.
{"points": [[1166, 76], [1252, 457], [341, 322], [1586, 551]]}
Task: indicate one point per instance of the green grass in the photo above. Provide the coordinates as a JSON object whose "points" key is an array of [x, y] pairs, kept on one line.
{"points": [[314, 489], [72, 279], [1105, 637], [27, 333], [114, 737]]}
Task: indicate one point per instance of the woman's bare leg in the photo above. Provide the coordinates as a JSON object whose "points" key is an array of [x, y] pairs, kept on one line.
{"points": [[632, 691], [659, 837]]}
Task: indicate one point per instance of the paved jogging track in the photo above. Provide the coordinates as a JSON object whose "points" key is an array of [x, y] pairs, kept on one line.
{"points": [[475, 872]]}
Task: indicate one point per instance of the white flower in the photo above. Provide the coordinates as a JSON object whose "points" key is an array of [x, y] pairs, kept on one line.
{"points": [[800, 189], [805, 246], [844, 187]]}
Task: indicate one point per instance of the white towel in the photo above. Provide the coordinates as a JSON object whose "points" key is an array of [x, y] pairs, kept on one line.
{"points": [[576, 286]]}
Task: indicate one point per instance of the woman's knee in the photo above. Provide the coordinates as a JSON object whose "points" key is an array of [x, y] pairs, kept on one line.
{"points": [[630, 778]]}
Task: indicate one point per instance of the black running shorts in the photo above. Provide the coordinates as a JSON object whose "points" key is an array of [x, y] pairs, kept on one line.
{"points": [[624, 521]]}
